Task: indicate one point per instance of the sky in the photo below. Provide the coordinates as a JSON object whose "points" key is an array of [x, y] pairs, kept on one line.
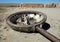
{"points": [[30, 1]]}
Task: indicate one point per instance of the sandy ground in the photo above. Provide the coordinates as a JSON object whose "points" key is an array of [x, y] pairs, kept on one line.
{"points": [[9, 35]]}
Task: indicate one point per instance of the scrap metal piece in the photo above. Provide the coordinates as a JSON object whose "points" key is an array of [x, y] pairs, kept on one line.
{"points": [[12, 20], [47, 34]]}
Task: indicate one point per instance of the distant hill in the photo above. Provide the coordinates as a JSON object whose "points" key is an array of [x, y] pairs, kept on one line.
{"points": [[9, 5], [50, 5]]}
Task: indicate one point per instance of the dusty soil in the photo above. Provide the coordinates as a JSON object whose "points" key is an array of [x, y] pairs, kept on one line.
{"points": [[9, 35]]}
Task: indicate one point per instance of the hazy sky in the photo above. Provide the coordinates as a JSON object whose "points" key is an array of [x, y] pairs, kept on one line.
{"points": [[29, 1]]}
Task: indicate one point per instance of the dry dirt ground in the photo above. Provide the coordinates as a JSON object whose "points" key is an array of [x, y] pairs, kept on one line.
{"points": [[9, 35]]}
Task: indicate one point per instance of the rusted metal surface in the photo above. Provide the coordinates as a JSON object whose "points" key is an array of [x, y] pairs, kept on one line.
{"points": [[47, 35], [11, 20]]}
